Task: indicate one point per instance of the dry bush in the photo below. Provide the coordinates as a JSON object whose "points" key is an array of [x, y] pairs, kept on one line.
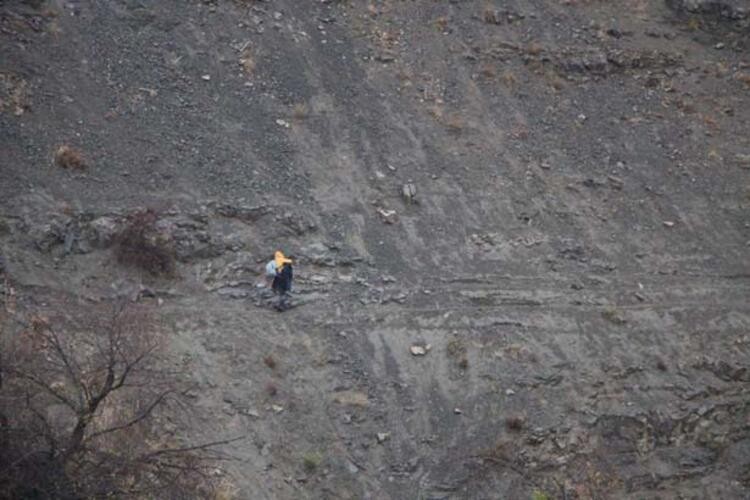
{"points": [[515, 423], [661, 365], [554, 80], [441, 23], [311, 461], [509, 79], [272, 389], [490, 16], [744, 78], [456, 349], [69, 158], [614, 315], [270, 361], [534, 49], [247, 61], [300, 111], [14, 94], [500, 453], [85, 394], [140, 245], [436, 112], [487, 70], [454, 123]]}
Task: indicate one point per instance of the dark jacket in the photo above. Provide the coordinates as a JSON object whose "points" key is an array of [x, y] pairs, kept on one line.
{"points": [[282, 282]]}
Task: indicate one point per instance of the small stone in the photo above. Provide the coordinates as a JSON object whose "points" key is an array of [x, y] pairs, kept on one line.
{"points": [[719, 46], [277, 408], [283, 123], [457, 411], [668, 223], [388, 216], [277, 15], [509, 392], [206, 77], [418, 350], [383, 436]]}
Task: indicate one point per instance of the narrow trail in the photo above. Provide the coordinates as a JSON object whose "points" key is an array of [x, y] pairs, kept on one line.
{"points": [[499, 347]]}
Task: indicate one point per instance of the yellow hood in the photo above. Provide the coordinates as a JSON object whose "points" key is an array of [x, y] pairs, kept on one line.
{"points": [[280, 259]]}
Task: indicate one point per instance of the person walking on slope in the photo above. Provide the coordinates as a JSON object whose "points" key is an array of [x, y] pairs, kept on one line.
{"points": [[282, 280]]}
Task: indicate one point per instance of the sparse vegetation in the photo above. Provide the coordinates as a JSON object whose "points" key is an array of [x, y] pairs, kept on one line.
{"points": [[300, 111], [247, 61], [500, 453], [454, 123], [311, 461], [614, 315], [509, 79], [456, 349], [441, 23], [140, 245], [14, 94], [515, 423], [487, 70], [85, 398], [539, 495], [271, 389], [270, 361], [69, 158], [490, 15], [534, 48]]}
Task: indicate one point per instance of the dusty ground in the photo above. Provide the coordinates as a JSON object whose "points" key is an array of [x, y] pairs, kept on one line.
{"points": [[576, 255]]}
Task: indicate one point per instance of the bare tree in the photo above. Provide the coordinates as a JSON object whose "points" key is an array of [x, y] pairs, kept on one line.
{"points": [[94, 409]]}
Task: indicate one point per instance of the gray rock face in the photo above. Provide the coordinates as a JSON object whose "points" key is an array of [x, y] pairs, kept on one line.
{"points": [[728, 9]]}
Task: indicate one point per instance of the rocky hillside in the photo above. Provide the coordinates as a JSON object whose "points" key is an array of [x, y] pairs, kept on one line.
{"points": [[520, 229]]}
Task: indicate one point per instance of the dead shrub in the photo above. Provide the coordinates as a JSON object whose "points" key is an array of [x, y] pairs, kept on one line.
{"points": [[500, 453], [441, 23], [247, 61], [456, 349], [487, 70], [554, 80], [490, 16], [454, 123], [515, 423], [140, 245], [744, 78], [509, 79], [436, 112], [69, 158], [271, 389], [534, 49], [14, 94], [614, 315], [300, 111], [270, 361], [88, 405], [661, 365]]}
